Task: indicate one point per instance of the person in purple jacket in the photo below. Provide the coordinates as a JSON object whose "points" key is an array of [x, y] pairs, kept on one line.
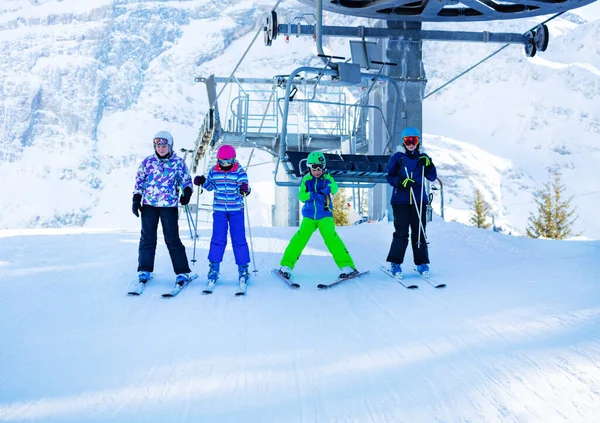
{"points": [[229, 181], [404, 172], [156, 196]]}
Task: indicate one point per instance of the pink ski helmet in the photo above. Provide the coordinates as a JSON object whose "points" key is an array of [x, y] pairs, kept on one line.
{"points": [[226, 152]]}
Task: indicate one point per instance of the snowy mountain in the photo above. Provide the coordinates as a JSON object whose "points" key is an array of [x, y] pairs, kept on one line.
{"points": [[85, 85], [513, 338]]}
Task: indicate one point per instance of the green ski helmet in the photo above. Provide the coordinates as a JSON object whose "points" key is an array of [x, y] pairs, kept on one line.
{"points": [[316, 157]]}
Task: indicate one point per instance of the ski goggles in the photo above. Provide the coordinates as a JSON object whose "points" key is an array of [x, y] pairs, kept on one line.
{"points": [[161, 142], [226, 162], [316, 166], [411, 140]]}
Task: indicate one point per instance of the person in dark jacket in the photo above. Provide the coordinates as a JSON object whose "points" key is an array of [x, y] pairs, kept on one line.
{"points": [[404, 173], [316, 189]]}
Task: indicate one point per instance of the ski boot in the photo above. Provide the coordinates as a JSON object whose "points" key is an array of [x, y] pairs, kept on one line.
{"points": [[347, 271], [243, 272], [143, 276], [213, 275], [396, 270], [423, 270], [213, 271], [286, 272], [183, 278]]}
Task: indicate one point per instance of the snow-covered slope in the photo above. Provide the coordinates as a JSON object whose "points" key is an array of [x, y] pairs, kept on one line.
{"points": [[514, 336], [85, 85]]}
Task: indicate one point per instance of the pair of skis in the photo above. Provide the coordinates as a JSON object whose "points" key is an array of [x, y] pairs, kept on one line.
{"points": [[138, 289], [426, 277], [243, 286], [400, 279], [295, 285]]}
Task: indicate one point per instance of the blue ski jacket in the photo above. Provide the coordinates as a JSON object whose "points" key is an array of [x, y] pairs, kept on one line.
{"points": [[316, 193]]}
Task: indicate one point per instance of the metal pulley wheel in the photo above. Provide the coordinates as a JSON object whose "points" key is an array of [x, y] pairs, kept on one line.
{"points": [[266, 37], [530, 48], [541, 37], [272, 27]]}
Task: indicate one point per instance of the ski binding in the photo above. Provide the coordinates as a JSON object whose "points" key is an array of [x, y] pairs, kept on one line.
{"points": [[340, 280], [398, 279], [290, 283]]}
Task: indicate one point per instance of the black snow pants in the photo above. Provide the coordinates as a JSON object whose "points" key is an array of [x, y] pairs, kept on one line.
{"points": [[168, 217], [405, 216]]}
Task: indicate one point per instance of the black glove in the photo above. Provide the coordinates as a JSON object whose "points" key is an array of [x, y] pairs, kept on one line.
{"points": [[137, 204], [199, 180], [244, 189], [405, 183], [185, 198], [425, 161]]}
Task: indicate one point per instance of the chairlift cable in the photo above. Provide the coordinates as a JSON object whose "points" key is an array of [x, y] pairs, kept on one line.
{"points": [[484, 59], [260, 30]]}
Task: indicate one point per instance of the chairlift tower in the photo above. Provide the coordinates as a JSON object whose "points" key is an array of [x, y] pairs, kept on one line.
{"points": [[394, 48], [309, 110]]}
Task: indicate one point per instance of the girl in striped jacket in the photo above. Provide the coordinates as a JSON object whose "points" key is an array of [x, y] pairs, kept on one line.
{"points": [[229, 181]]}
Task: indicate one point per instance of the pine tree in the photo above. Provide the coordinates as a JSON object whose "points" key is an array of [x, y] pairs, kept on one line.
{"points": [[481, 211], [555, 215], [340, 211]]}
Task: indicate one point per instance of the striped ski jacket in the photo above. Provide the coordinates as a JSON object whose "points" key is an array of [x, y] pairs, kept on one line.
{"points": [[226, 185]]}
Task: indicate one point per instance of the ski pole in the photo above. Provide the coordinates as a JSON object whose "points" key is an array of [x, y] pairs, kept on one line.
{"points": [[187, 216], [191, 224], [421, 203], [196, 225], [421, 228], [249, 233]]}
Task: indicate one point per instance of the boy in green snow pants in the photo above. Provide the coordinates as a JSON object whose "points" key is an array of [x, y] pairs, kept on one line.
{"points": [[317, 213]]}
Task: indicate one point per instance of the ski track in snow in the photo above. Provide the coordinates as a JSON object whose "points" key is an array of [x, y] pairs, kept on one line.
{"points": [[488, 370], [484, 349]]}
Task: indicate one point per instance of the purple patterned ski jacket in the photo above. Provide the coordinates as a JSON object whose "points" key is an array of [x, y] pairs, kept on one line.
{"points": [[159, 180]]}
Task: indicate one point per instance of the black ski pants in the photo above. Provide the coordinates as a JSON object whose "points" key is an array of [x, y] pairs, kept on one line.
{"points": [[405, 216], [168, 217]]}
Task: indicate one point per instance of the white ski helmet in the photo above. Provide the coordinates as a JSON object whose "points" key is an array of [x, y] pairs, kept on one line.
{"points": [[166, 135]]}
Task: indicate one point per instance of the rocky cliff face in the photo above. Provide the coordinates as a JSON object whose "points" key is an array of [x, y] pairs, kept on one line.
{"points": [[67, 65], [85, 85]]}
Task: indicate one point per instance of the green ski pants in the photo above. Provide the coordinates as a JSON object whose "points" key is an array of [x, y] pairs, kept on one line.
{"points": [[332, 240]]}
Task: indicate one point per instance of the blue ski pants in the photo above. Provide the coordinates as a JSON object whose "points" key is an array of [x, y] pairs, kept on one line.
{"points": [[222, 221]]}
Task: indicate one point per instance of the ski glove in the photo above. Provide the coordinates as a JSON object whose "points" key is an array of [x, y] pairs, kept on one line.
{"points": [[326, 190], [137, 204], [185, 198], [406, 183], [425, 161], [199, 180], [244, 189]]}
